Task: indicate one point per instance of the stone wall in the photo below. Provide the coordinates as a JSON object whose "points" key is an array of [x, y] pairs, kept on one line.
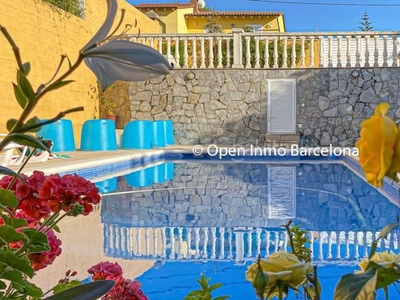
{"points": [[230, 106]]}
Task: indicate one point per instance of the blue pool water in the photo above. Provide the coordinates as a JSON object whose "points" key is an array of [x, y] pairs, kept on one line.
{"points": [[215, 218]]}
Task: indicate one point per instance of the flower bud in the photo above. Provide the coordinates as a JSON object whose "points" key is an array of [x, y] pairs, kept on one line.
{"points": [[260, 281]]}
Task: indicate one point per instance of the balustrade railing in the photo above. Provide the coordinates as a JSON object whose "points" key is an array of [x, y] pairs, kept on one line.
{"points": [[276, 50], [235, 244]]}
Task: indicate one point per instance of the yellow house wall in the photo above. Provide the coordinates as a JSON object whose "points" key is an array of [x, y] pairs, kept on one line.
{"points": [[168, 16], [43, 33], [196, 24]]}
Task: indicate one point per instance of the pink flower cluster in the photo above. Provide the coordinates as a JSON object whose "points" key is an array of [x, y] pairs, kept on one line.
{"points": [[124, 289], [40, 196]]}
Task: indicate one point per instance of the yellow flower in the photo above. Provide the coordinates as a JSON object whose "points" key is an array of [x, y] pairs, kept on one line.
{"points": [[376, 145], [283, 267], [385, 259]]}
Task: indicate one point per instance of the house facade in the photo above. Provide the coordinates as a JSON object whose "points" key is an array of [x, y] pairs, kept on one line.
{"points": [[189, 18]]}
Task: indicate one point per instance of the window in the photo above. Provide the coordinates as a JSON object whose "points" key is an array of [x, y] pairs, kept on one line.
{"points": [[255, 27]]}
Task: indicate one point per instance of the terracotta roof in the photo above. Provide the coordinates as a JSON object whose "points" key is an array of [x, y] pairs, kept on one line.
{"points": [[164, 5], [235, 13]]}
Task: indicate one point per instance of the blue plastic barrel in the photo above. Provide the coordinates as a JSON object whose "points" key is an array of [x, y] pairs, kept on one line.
{"points": [[140, 178], [107, 186], [98, 135], [137, 135], [61, 133], [159, 138], [169, 170], [169, 132], [159, 173]]}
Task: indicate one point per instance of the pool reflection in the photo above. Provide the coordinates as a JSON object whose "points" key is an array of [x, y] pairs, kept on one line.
{"points": [[233, 212]]}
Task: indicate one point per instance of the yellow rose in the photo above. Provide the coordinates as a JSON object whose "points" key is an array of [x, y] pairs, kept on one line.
{"points": [[385, 259], [376, 145], [283, 267]]}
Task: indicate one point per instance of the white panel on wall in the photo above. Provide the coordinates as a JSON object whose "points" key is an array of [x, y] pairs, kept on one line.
{"points": [[281, 106]]}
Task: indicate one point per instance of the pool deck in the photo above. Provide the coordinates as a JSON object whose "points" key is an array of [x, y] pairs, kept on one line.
{"points": [[86, 159]]}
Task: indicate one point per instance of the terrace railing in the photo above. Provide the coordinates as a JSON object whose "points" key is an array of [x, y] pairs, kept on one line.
{"points": [[276, 50], [235, 244]]}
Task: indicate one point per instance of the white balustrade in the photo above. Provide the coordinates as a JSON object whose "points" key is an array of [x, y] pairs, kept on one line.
{"points": [[180, 243], [294, 50]]}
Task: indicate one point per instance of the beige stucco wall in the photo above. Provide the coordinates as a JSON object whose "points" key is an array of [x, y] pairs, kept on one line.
{"points": [[43, 33]]}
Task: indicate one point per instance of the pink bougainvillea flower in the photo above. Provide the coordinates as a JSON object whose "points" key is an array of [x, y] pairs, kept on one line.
{"points": [[376, 145]]}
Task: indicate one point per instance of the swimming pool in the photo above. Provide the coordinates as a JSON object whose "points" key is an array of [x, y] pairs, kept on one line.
{"points": [[189, 218]]}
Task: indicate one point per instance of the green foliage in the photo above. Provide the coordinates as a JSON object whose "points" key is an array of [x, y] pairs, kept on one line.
{"points": [[211, 25], [206, 290], [363, 285], [72, 6], [365, 23], [299, 243], [108, 99]]}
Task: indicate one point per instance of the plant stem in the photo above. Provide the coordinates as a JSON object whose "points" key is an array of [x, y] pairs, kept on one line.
{"points": [[316, 284], [280, 291], [58, 220], [13, 46], [56, 118], [53, 217], [289, 232]]}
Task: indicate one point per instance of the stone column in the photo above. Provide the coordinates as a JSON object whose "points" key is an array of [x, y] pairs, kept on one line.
{"points": [[237, 47]]}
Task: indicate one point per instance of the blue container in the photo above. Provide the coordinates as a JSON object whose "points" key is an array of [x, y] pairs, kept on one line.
{"points": [[98, 135], [107, 186], [137, 135], [169, 132], [159, 173], [61, 133], [169, 171], [140, 178], [159, 138]]}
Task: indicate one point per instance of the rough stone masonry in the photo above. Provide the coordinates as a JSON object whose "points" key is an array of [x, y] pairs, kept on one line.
{"points": [[229, 106]]}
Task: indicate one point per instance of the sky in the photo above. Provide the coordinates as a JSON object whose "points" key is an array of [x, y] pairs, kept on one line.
{"points": [[311, 15]]}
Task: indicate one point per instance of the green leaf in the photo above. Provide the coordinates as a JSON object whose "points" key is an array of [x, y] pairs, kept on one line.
{"points": [[11, 123], [13, 261], [13, 275], [32, 122], [65, 286], [359, 286], [26, 68], [383, 234], [14, 223], [8, 199], [20, 96], [386, 276], [214, 287], [27, 140], [25, 87], [9, 172], [88, 291], [9, 234], [35, 240], [32, 290], [222, 298], [58, 84], [3, 286]]}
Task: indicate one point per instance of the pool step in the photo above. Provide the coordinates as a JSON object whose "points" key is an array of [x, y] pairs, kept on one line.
{"points": [[281, 140]]}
